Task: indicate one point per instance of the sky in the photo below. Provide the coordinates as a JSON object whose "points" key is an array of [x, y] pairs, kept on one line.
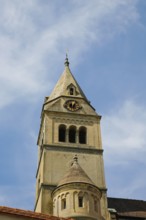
{"points": [[106, 44]]}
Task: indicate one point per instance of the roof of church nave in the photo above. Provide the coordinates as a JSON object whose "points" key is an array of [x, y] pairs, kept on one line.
{"points": [[75, 174], [64, 81], [126, 205]]}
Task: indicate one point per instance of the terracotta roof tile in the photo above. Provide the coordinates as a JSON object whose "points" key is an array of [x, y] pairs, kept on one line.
{"points": [[27, 213]]}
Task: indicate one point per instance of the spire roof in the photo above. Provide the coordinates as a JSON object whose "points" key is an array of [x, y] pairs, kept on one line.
{"points": [[64, 82], [75, 174]]}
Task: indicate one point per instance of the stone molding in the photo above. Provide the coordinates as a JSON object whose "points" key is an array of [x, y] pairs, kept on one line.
{"points": [[73, 149]]}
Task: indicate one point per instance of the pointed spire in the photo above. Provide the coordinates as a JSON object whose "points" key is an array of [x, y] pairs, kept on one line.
{"points": [[75, 174], [65, 80], [66, 63]]}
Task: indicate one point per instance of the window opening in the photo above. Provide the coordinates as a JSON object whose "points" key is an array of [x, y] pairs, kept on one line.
{"points": [[82, 135], [80, 200], [62, 133], [71, 91], [72, 134], [63, 203], [95, 205]]}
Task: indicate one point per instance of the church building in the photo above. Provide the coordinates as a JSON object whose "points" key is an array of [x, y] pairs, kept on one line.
{"points": [[70, 179], [70, 126]]}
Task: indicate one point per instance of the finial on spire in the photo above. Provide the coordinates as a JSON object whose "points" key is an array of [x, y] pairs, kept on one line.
{"points": [[66, 60], [75, 158]]}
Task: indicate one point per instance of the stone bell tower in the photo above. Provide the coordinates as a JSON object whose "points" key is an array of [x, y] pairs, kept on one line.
{"points": [[69, 126]]}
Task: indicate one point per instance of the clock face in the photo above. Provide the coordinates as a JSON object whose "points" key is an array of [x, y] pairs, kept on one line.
{"points": [[72, 105]]}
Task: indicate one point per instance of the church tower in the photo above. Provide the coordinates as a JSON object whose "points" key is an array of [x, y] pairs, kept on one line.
{"points": [[69, 126]]}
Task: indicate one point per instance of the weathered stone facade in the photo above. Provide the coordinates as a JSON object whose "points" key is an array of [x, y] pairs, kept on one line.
{"points": [[69, 126]]}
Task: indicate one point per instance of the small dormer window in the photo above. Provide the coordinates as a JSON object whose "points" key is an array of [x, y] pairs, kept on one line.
{"points": [[71, 91]]}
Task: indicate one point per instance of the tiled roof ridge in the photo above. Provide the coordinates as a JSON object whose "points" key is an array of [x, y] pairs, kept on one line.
{"points": [[126, 205], [140, 200], [28, 213], [139, 214]]}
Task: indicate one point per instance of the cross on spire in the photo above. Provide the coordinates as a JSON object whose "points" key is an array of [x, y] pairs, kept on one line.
{"points": [[66, 63]]}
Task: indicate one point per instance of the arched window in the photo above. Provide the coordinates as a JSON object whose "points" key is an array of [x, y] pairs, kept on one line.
{"points": [[63, 203], [95, 205], [80, 201], [72, 134], [62, 133], [71, 91], [82, 135]]}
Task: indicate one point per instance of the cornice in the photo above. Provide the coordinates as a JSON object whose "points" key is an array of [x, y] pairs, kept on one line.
{"points": [[73, 149]]}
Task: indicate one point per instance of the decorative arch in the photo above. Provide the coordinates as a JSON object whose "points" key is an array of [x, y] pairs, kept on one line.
{"points": [[82, 135], [75, 199], [63, 201], [72, 134], [86, 201], [62, 133], [95, 203]]}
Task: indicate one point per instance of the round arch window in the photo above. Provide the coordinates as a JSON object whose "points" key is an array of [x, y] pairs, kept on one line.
{"points": [[72, 134], [62, 133], [82, 135]]}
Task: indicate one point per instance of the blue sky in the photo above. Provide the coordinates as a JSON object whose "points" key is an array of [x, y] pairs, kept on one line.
{"points": [[106, 42]]}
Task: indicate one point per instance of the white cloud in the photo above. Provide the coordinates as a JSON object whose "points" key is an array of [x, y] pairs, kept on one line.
{"points": [[34, 34], [33, 38], [124, 132], [124, 142]]}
